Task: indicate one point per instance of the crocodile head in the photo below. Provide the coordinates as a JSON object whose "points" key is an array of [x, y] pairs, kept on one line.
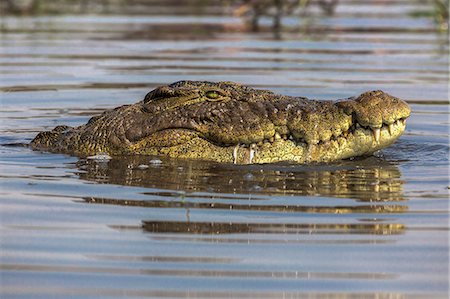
{"points": [[229, 122]]}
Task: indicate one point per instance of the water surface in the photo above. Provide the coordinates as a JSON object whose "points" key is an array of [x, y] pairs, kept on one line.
{"points": [[374, 227]]}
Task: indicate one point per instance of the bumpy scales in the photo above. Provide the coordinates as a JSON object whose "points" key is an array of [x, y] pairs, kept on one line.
{"points": [[229, 122]]}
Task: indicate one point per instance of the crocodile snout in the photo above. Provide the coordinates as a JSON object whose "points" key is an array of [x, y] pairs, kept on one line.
{"points": [[375, 108]]}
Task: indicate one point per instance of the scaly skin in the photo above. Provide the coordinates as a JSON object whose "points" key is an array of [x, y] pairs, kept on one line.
{"points": [[229, 122]]}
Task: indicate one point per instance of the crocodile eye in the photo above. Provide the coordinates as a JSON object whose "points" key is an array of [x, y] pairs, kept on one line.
{"points": [[213, 95]]}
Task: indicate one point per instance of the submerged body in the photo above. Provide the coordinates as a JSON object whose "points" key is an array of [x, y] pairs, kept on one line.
{"points": [[229, 122]]}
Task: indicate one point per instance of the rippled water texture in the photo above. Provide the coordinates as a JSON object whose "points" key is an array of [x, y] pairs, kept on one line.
{"points": [[152, 227]]}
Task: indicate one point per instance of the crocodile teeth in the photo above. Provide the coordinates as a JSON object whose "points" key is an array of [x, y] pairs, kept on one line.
{"points": [[251, 155], [403, 121], [235, 153], [376, 134], [277, 136], [391, 129]]}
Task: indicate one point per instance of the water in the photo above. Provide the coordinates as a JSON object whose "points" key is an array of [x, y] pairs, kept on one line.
{"points": [[154, 227]]}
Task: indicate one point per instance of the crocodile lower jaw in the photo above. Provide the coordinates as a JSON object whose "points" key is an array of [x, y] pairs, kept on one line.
{"points": [[357, 141]]}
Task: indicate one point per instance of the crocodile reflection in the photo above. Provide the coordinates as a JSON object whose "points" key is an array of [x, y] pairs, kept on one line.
{"points": [[194, 185], [368, 180], [208, 228]]}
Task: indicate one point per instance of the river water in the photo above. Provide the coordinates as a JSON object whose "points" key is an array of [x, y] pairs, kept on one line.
{"points": [[376, 227]]}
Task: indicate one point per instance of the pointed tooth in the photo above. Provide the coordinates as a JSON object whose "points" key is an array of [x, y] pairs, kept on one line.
{"points": [[358, 125], [277, 136], [291, 137], [376, 134], [391, 129], [235, 153], [403, 121], [284, 136], [251, 155]]}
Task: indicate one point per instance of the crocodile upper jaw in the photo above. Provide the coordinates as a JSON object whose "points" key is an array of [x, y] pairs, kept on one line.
{"points": [[357, 141]]}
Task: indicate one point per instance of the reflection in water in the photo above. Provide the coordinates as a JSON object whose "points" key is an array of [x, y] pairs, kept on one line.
{"points": [[370, 209], [270, 228], [255, 10], [200, 273], [207, 187], [366, 180]]}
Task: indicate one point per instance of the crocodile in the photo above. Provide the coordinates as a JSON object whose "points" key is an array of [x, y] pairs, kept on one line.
{"points": [[233, 123]]}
